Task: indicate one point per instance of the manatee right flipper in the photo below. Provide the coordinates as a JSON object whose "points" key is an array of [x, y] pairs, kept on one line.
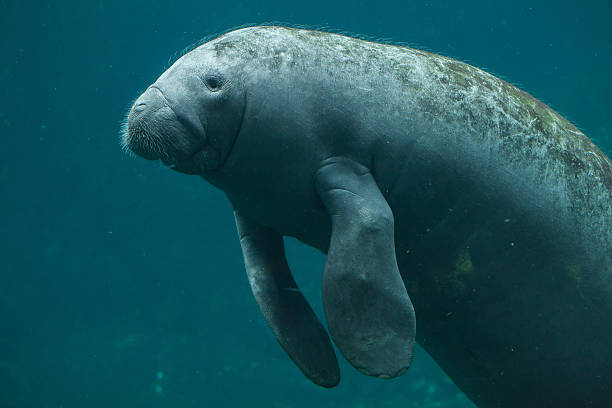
{"points": [[292, 320], [369, 314]]}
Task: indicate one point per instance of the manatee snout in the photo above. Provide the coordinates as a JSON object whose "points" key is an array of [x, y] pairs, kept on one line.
{"points": [[155, 131]]}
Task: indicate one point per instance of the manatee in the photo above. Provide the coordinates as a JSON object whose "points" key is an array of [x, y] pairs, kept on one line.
{"points": [[436, 190]]}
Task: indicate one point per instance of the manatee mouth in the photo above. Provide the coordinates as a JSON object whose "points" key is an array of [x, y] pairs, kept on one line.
{"points": [[155, 131], [175, 131], [143, 142]]}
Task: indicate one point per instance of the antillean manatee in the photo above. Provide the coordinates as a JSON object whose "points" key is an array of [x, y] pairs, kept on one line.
{"points": [[427, 182]]}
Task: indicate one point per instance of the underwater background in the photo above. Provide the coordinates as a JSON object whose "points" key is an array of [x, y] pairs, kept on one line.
{"points": [[122, 282]]}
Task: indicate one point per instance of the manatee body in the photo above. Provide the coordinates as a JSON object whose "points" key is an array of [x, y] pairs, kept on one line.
{"points": [[439, 192]]}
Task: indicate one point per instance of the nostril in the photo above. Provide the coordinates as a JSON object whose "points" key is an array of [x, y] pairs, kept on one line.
{"points": [[140, 107]]}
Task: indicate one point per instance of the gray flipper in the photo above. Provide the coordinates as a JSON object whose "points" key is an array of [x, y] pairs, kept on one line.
{"points": [[369, 314], [293, 322]]}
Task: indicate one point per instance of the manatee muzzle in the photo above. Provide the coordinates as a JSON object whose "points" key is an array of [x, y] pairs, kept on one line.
{"points": [[156, 131]]}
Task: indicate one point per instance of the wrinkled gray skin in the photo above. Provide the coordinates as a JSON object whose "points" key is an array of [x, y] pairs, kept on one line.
{"points": [[496, 209]]}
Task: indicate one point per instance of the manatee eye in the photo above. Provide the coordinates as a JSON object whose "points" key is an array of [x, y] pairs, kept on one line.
{"points": [[213, 82]]}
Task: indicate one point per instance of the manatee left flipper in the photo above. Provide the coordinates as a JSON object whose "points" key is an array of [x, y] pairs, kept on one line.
{"points": [[369, 314], [292, 320]]}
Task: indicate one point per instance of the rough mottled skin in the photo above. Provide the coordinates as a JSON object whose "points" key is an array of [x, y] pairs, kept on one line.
{"points": [[502, 209]]}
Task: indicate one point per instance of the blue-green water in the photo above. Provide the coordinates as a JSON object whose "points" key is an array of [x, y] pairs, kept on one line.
{"points": [[121, 282]]}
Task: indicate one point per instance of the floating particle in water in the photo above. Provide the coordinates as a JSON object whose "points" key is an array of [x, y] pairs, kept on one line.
{"points": [[160, 375]]}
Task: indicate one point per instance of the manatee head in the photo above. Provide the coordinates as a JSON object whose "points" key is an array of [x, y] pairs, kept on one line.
{"points": [[190, 117]]}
